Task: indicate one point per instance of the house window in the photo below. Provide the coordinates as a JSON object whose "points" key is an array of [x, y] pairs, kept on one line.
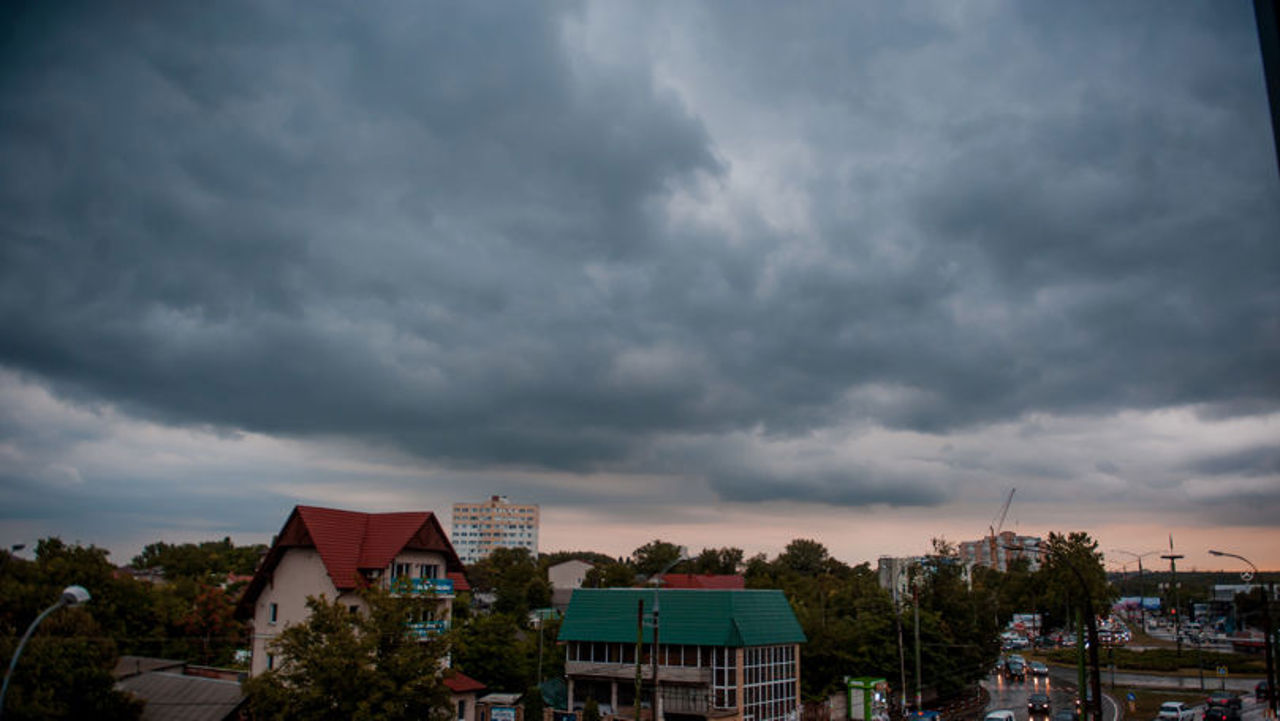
{"points": [[462, 711], [274, 613], [271, 661], [428, 570], [355, 608], [400, 570]]}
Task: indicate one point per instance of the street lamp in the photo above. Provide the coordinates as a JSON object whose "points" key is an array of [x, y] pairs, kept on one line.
{"points": [[71, 596], [656, 580], [1266, 623], [1094, 704]]}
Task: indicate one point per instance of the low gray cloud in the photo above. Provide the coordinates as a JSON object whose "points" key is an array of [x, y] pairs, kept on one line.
{"points": [[450, 228], [1249, 462]]}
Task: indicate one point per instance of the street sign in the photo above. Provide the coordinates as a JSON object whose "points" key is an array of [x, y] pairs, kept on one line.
{"points": [[1222, 670]]}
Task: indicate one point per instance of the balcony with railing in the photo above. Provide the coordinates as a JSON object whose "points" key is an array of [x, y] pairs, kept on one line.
{"points": [[427, 587], [423, 630]]}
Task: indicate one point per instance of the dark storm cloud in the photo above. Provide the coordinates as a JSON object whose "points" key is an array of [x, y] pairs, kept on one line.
{"points": [[441, 227], [1250, 462]]}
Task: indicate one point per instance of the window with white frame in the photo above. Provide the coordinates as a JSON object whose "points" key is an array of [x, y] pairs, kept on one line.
{"points": [[724, 677], [769, 683]]}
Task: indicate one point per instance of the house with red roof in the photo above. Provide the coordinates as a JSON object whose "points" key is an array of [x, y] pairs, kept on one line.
{"points": [[709, 581], [336, 553]]}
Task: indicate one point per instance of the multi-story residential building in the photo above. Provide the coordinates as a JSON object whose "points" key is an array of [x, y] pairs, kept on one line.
{"points": [[1007, 547], [895, 575], [478, 528], [335, 553], [722, 654]]}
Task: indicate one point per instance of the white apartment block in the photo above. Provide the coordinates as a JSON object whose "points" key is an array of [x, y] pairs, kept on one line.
{"points": [[478, 528]]}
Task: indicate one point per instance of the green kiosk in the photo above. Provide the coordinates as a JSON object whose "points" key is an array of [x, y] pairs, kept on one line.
{"points": [[868, 698]]}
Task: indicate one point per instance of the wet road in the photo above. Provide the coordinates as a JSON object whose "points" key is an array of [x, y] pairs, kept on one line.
{"points": [[1013, 695]]}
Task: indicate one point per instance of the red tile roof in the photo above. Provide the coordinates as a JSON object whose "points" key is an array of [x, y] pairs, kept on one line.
{"points": [[351, 541], [459, 682], [703, 580]]}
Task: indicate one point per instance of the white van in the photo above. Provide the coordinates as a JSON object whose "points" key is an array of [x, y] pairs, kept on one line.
{"points": [[1000, 715]]}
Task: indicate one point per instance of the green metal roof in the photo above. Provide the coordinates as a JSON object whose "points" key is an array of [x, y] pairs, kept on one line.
{"points": [[693, 617]]}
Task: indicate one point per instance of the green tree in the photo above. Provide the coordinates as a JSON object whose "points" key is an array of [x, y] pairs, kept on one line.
{"points": [[612, 575], [495, 650], [724, 561], [65, 672], [206, 561], [361, 666], [515, 577], [654, 556], [1072, 567], [804, 556]]}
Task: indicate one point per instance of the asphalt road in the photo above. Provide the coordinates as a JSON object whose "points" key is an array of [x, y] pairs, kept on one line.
{"points": [[1013, 695]]}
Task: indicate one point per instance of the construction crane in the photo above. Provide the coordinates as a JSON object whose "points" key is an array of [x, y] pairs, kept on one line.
{"points": [[998, 524]]}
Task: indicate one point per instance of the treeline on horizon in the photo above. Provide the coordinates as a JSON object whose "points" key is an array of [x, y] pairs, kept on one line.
{"points": [[851, 623]]}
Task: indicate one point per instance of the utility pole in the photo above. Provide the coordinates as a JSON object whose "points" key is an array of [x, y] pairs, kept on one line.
{"points": [[639, 653], [902, 656], [1173, 570], [915, 595]]}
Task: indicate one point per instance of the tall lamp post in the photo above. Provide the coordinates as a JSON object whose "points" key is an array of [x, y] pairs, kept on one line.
{"points": [[1092, 705], [656, 580], [1266, 623], [71, 596]]}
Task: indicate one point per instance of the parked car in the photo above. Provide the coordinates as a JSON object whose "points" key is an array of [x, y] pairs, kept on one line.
{"points": [[1223, 713], [1036, 668], [1038, 704], [1223, 698], [1175, 711]]}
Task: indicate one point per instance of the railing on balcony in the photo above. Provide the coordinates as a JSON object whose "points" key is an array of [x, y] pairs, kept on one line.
{"points": [[427, 629], [438, 587]]}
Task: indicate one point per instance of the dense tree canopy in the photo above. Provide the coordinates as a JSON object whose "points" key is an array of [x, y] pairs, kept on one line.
{"points": [[206, 561]]}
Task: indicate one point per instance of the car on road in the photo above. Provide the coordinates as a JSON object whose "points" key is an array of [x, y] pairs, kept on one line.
{"points": [[1000, 715], [1224, 698], [1038, 705], [1223, 713], [1175, 711], [1037, 668], [1015, 671]]}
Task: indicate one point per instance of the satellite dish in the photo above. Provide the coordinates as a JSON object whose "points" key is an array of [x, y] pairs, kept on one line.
{"points": [[1246, 576]]}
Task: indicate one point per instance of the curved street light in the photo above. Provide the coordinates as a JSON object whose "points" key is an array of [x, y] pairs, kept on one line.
{"points": [[1091, 706], [71, 596], [1266, 622]]}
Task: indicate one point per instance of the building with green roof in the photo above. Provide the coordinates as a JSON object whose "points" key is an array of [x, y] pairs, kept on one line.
{"points": [[720, 654]]}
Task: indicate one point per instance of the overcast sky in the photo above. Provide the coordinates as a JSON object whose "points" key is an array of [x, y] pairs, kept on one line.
{"points": [[721, 273]]}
